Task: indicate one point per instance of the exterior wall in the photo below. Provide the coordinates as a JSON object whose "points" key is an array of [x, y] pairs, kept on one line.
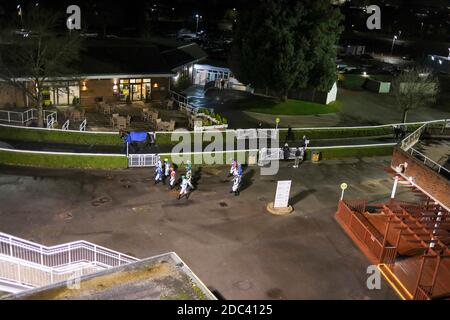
{"points": [[10, 96], [429, 180], [104, 88], [162, 90], [97, 88]]}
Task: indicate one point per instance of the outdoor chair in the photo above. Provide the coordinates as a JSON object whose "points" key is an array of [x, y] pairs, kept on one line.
{"points": [[145, 114], [107, 109], [128, 120], [113, 119], [121, 123]]}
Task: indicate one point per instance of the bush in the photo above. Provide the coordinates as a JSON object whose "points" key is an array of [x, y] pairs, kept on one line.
{"points": [[42, 135]]}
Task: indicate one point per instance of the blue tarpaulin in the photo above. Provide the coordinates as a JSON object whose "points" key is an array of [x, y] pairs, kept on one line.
{"points": [[136, 137]]}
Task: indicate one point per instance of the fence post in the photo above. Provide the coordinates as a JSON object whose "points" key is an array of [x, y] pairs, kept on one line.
{"points": [[42, 257], [11, 247], [70, 255], [9, 117], [18, 272], [95, 254]]}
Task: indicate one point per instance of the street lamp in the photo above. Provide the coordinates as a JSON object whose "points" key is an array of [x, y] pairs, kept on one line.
{"points": [[198, 17], [19, 13], [393, 43]]}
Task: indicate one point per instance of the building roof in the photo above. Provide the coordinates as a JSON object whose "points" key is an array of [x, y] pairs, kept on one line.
{"points": [[164, 277], [125, 56], [183, 55]]}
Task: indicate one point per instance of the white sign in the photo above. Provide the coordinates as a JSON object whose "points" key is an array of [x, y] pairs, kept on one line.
{"points": [[282, 196]]}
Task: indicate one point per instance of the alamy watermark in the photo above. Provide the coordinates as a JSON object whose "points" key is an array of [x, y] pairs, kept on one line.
{"points": [[374, 280], [73, 22], [374, 21]]}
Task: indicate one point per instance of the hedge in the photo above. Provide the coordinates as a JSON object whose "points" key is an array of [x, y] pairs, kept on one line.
{"points": [[343, 133], [342, 153], [62, 160], [58, 136]]}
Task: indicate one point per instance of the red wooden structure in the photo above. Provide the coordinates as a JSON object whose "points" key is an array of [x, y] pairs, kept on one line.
{"points": [[408, 241]]}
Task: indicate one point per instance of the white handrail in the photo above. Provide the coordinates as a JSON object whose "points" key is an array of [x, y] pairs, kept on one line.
{"points": [[83, 125], [30, 263], [32, 249], [427, 159]]}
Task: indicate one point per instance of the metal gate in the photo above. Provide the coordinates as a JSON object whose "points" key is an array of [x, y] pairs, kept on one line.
{"points": [[142, 160]]}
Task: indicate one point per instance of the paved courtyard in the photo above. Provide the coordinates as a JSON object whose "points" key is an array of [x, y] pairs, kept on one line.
{"points": [[232, 243]]}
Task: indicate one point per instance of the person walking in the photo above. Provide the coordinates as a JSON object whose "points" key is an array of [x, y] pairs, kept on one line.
{"points": [[298, 154], [289, 136], [235, 188], [184, 188], [189, 179], [286, 152], [158, 174], [173, 178], [232, 167]]}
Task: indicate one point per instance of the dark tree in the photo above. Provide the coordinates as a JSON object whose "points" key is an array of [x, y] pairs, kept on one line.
{"points": [[286, 44], [414, 89], [27, 62]]}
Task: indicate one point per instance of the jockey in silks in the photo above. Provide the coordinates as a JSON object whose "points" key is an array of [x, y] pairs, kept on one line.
{"points": [[184, 188], [233, 167], [158, 174], [173, 178], [189, 179], [159, 163], [236, 183], [188, 166], [166, 168]]}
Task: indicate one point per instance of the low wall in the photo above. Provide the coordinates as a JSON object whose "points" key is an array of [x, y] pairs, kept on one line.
{"points": [[425, 177]]}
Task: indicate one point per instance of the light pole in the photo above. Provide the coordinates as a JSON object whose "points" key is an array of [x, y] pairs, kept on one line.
{"points": [[393, 43], [198, 17], [19, 13]]}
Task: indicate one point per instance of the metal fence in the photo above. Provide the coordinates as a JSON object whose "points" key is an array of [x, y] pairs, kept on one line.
{"points": [[429, 162], [142, 160], [33, 264], [25, 117]]}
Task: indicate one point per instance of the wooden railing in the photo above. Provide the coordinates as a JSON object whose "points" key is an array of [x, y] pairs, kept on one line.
{"points": [[422, 293], [351, 214]]}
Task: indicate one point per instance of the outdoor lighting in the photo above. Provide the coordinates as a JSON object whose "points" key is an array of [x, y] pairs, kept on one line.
{"points": [[365, 74], [432, 58], [83, 86], [440, 61], [115, 87], [156, 85]]}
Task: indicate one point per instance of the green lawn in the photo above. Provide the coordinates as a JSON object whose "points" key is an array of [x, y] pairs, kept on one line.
{"points": [[288, 107], [355, 82]]}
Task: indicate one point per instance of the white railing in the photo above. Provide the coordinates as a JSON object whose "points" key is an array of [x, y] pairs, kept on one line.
{"points": [[66, 125], [178, 97], [44, 265], [83, 125], [413, 138], [23, 118], [60, 255], [142, 160], [33, 275], [428, 162]]}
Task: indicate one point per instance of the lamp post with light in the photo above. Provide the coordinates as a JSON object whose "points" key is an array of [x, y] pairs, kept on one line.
{"points": [[197, 17], [393, 43], [19, 13]]}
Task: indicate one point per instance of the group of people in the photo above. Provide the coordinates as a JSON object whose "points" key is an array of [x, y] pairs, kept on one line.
{"points": [[165, 170], [300, 151], [400, 131], [236, 172]]}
